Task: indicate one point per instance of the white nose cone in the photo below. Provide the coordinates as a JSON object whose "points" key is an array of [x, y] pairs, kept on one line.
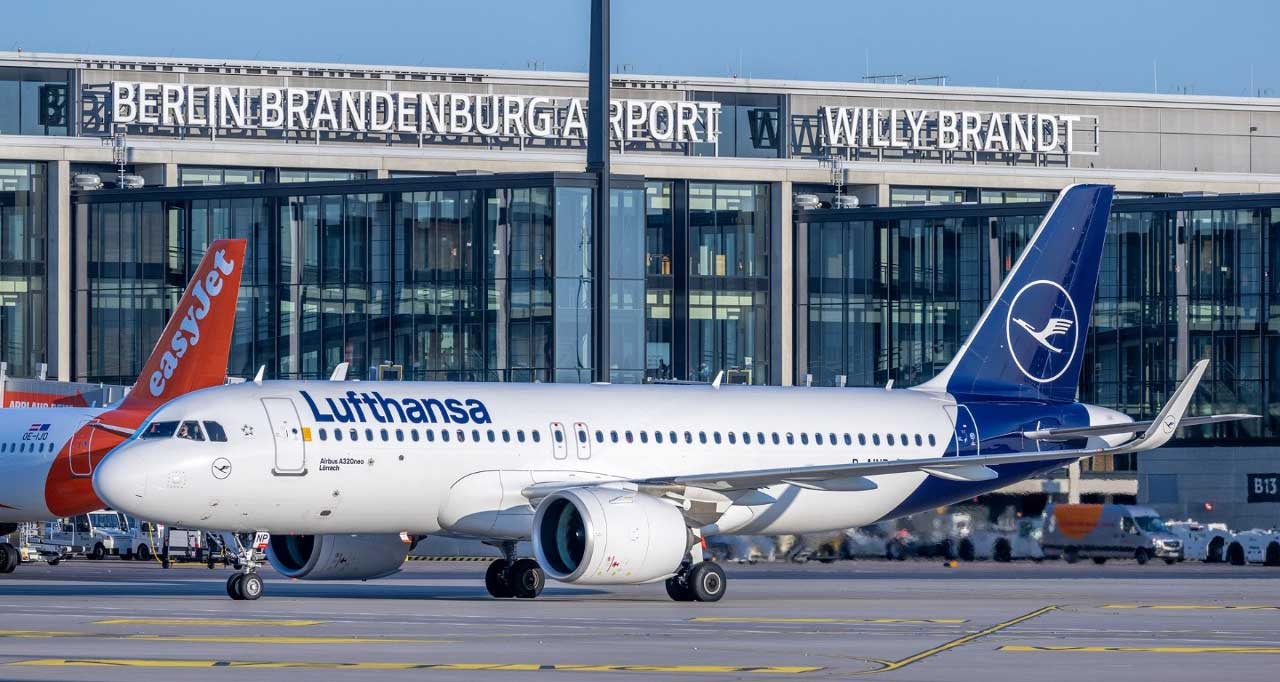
{"points": [[120, 481]]}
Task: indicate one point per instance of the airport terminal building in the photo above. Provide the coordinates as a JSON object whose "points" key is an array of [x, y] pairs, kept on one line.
{"points": [[781, 232]]}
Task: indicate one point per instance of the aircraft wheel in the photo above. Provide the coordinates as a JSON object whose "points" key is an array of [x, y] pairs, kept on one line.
{"points": [[495, 580], [233, 586], [9, 557], [678, 589], [707, 581], [526, 579], [250, 586]]}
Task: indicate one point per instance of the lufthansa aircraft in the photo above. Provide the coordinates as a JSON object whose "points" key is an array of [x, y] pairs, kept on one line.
{"points": [[48, 454], [615, 484]]}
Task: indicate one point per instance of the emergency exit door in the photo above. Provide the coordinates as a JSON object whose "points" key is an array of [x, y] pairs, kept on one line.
{"points": [[286, 429]]}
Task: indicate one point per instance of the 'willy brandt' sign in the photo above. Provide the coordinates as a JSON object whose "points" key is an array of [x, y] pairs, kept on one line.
{"points": [[421, 113], [940, 129]]}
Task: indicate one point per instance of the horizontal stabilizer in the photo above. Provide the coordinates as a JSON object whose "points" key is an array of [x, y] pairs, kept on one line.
{"points": [[966, 474], [1127, 427]]}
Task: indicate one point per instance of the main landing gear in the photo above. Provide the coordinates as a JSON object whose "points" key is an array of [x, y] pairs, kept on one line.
{"points": [[703, 581], [245, 584], [512, 577]]}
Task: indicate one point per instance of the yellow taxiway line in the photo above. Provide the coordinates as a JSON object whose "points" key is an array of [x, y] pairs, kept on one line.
{"points": [[887, 666], [217, 622], [375, 665], [1149, 649], [216, 639]]}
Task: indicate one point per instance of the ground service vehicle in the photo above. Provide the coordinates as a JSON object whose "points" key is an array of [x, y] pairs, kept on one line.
{"points": [[48, 454], [1255, 546], [1107, 531], [1203, 542], [618, 484]]}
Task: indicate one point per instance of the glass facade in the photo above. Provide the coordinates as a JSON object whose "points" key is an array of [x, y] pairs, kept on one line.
{"points": [[34, 101], [23, 286], [484, 279], [891, 293], [707, 266], [197, 176]]}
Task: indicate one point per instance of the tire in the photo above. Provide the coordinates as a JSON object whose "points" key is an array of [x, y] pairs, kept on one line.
{"points": [[54, 562], [678, 590], [526, 579], [495, 580], [8, 557], [1099, 560], [707, 582], [1273, 555], [143, 553], [1003, 552], [1071, 555], [1142, 556], [967, 552], [1235, 554], [1214, 554], [233, 586], [98, 553], [250, 587]]}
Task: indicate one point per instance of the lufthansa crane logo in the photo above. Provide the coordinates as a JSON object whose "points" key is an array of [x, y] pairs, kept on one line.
{"points": [[221, 468], [1042, 330]]}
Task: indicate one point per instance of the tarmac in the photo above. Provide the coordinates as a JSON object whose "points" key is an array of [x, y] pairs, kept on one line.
{"points": [[915, 620]]}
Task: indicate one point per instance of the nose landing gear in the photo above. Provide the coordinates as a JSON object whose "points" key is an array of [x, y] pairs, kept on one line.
{"points": [[511, 577], [245, 584]]}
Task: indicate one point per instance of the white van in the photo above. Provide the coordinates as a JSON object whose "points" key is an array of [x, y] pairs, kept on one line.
{"points": [[1107, 531]]}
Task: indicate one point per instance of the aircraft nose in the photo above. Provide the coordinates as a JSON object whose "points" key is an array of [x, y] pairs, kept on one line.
{"points": [[120, 481]]}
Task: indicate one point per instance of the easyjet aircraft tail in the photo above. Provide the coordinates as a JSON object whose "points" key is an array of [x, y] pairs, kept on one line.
{"points": [[191, 354], [1029, 342]]}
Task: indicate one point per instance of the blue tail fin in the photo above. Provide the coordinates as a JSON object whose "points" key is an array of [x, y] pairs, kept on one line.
{"points": [[1029, 342]]}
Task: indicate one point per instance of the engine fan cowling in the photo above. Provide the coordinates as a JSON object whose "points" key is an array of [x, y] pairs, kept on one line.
{"points": [[336, 557], [597, 535]]}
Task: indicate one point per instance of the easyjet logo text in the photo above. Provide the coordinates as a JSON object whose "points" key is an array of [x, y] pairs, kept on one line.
{"points": [[204, 290]]}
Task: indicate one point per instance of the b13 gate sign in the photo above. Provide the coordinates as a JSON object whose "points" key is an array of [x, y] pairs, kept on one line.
{"points": [[1264, 487]]}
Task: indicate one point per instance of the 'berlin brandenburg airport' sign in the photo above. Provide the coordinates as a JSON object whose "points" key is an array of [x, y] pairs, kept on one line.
{"points": [[538, 117]]}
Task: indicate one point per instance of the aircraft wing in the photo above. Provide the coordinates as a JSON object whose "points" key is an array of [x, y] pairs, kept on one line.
{"points": [[854, 475]]}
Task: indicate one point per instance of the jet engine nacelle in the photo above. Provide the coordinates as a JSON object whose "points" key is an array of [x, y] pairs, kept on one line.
{"points": [[598, 535], [336, 557]]}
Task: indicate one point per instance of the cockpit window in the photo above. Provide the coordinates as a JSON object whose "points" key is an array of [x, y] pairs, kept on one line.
{"points": [[160, 430], [190, 431], [216, 432]]}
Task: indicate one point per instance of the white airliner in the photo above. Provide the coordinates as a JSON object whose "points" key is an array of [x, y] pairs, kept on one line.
{"points": [[615, 484], [48, 454]]}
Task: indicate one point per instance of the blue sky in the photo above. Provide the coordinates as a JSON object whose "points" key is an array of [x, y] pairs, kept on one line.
{"points": [[1199, 47]]}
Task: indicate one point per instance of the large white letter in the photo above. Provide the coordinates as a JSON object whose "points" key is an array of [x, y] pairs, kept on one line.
{"points": [[272, 108], [1046, 123], [948, 134], [541, 116], [915, 123], [124, 102], [575, 122], [381, 117], [404, 105], [325, 116], [662, 122], [296, 108], [970, 121], [149, 103], [460, 119], [351, 114]]}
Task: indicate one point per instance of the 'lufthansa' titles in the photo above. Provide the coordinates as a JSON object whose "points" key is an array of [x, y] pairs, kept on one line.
{"points": [[362, 407]]}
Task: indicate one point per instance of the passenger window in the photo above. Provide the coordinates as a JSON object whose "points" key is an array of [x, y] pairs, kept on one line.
{"points": [[324, 435], [817, 439], [688, 437], [506, 436], [875, 439], [337, 434], [776, 440], [733, 440], [537, 436], [932, 442], [862, 439], [475, 435], [385, 436], [702, 437], [791, 438], [919, 442], [716, 435], [848, 440], [599, 436], [520, 435], [216, 432], [760, 437], [644, 436], [833, 438], [905, 442], [804, 438], [657, 436], [630, 438], [444, 435], [672, 435], [190, 431], [399, 435], [889, 438], [746, 438], [558, 436], [462, 436], [490, 436]]}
